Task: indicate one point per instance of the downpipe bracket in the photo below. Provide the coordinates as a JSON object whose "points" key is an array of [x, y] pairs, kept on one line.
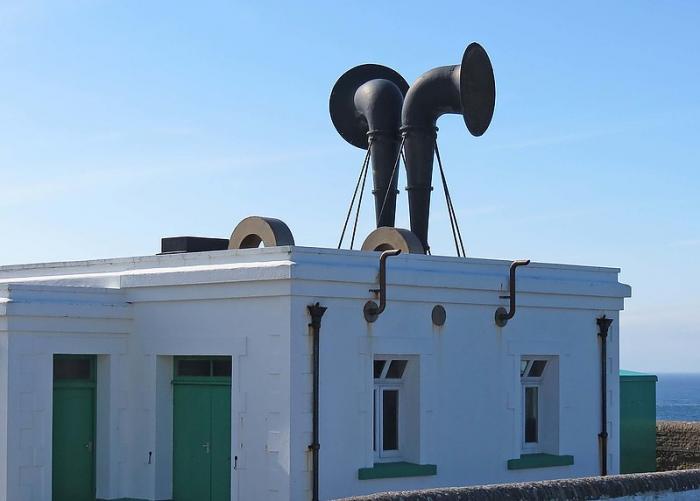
{"points": [[502, 315], [372, 310]]}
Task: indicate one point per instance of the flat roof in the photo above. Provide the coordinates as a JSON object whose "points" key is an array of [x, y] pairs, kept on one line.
{"points": [[264, 253], [637, 376]]}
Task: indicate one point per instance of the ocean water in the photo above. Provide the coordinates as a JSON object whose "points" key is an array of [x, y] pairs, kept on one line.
{"points": [[678, 397]]}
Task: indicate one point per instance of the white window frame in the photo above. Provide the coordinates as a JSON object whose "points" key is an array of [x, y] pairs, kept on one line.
{"points": [[382, 384], [533, 447], [532, 382]]}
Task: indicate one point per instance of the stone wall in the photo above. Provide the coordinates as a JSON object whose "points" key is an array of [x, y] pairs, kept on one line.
{"points": [[677, 445], [658, 486]]}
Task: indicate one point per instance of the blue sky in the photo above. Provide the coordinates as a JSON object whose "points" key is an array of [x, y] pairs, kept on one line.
{"points": [[125, 121]]}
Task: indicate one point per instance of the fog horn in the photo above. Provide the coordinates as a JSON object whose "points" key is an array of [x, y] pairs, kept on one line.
{"points": [[365, 107], [467, 89]]}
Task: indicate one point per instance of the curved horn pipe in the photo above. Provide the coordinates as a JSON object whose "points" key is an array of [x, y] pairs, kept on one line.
{"points": [[379, 101], [365, 107], [467, 89]]}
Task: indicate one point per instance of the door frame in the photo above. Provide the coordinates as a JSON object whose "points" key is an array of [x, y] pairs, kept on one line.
{"points": [[90, 384], [209, 380]]}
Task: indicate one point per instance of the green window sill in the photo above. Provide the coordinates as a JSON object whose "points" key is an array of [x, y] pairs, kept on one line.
{"points": [[526, 461], [396, 470], [126, 499]]}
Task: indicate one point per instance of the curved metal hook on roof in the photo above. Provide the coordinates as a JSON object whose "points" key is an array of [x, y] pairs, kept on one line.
{"points": [[502, 316], [371, 310], [254, 230], [386, 238]]}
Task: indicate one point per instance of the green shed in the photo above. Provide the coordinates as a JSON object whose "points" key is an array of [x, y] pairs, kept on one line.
{"points": [[637, 422]]}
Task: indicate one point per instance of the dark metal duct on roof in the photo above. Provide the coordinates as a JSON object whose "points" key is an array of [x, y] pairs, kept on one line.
{"points": [[178, 245], [469, 90], [365, 107]]}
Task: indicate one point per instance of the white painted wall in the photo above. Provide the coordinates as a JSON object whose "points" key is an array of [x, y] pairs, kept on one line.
{"points": [[40, 322], [138, 313], [469, 369], [4, 403]]}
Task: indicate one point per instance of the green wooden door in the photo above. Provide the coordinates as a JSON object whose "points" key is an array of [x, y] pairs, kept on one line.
{"points": [[221, 443], [191, 443], [73, 440], [637, 422], [201, 430]]}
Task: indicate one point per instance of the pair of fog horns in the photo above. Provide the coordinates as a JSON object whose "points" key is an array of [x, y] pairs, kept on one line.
{"points": [[372, 107]]}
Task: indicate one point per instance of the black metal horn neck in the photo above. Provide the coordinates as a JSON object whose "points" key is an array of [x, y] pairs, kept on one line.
{"points": [[467, 89], [365, 107]]}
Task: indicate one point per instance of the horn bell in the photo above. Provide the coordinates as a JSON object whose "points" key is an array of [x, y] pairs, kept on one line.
{"points": [[477, 89], [350, 122], [469, 90], [365, 104]]}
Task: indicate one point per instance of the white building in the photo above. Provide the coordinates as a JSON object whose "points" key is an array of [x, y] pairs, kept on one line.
{"points": [[190, 375], [267, 374]]}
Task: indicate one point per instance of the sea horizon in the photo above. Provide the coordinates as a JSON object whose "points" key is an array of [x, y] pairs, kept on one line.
{"points": [[678, 396]]}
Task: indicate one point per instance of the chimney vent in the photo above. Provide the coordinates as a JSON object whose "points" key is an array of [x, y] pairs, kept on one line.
{"points": [[179, 245]]}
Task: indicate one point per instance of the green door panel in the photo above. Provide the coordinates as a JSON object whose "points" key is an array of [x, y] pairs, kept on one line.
{"points": [[637, 422], [191, 443], [202, 429], [73, 443], [221, 443]]}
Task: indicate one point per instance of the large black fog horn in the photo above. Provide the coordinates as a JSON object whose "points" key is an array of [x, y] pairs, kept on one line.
{"points": [[365, 105], [468, 89]]}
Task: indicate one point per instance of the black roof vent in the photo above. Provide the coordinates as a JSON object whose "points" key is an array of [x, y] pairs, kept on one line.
{"points": [[178, 245]]}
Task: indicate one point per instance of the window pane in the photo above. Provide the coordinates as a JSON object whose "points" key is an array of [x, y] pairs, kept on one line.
{"points": [[378, 368], [221, 368], [193, 367], [537, 368], [374, 421], [396, 369], [72, 368], [523, 367], [531, 414], [390, 420]]}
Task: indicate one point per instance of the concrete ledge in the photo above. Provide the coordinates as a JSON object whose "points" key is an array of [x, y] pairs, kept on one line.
{"points": [[614, 486], [396, 470], [526, 461]]}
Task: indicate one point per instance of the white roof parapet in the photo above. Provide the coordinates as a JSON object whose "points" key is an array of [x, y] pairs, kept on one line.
{"points": [[342, 268], [46, 301]]}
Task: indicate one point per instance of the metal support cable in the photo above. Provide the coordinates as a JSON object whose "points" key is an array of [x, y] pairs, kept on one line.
{"points": [[393, 173], [449, 212], [448, 200], [457, 235], [365, 163], [450, 207], [359, 202]]}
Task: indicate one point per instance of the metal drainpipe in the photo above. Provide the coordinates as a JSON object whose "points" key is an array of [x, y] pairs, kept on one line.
{"points": [[316, 311], [603, 325]]}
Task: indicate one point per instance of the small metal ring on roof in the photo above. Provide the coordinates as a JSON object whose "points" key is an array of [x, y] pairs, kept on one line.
{"points": [[254, 230], [386, 238]]}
